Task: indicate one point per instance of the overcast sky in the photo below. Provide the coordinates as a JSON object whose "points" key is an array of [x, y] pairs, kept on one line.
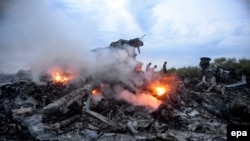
{"points": [[177, 31]]}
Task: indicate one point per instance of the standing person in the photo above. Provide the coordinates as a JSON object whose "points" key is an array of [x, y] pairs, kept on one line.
{"points": [[153, 74], [165, 71], [148, 66], [154, 67], [149, 72]]}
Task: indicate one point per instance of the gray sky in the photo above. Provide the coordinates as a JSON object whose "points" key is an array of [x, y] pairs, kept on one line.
{"points": [[178, 31]]}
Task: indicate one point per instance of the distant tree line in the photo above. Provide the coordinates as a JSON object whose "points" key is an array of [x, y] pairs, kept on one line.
{"points": [[227, 63]]}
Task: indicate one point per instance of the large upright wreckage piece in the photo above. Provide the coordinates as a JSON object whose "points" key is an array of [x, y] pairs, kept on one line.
{"points": [[136, 42], [204, 64], [124, 52], [128, 45]]}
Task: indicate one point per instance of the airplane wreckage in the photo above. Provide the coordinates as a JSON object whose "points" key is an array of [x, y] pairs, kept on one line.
{"points": [[103, 108]]}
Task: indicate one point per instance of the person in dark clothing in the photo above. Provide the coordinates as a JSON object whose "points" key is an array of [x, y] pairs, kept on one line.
{"points": [[165, 71], [155, 66]]}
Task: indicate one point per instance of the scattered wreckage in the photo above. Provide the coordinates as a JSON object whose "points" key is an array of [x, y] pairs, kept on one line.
{"points": [[63, 110]]}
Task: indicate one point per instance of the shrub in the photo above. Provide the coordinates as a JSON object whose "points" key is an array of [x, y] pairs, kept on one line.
{"points": [[188, 71]]}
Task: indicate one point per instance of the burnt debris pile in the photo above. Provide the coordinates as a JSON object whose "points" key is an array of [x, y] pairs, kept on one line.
{"points": [[100, 108], [67, 112]]}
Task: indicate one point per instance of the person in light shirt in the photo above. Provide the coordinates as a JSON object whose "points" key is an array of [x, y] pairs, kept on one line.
{"points": [[150, 73], [148, 66]]}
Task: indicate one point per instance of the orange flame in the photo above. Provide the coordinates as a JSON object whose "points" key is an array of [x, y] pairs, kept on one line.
{"points": [[162, 86], [60, 75], [160, 90], [60, 78], [97, 90]]}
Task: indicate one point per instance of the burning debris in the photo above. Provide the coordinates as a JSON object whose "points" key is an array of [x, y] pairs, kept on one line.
{"points": [[111, 104], [59, 75]]}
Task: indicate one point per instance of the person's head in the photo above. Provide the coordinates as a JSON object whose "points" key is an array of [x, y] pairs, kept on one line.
{"points": [[155, 66], [149, 63], [165, 62]]}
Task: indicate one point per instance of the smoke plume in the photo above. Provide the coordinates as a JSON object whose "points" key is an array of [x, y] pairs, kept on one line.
{"points": [[39, 36]]}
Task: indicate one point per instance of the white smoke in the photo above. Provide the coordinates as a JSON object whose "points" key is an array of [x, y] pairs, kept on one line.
{"points": [[139, 99], [38, 36]]}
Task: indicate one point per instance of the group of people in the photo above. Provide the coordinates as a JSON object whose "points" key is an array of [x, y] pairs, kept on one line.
{"points": [[151, 70], [164, 68]]}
